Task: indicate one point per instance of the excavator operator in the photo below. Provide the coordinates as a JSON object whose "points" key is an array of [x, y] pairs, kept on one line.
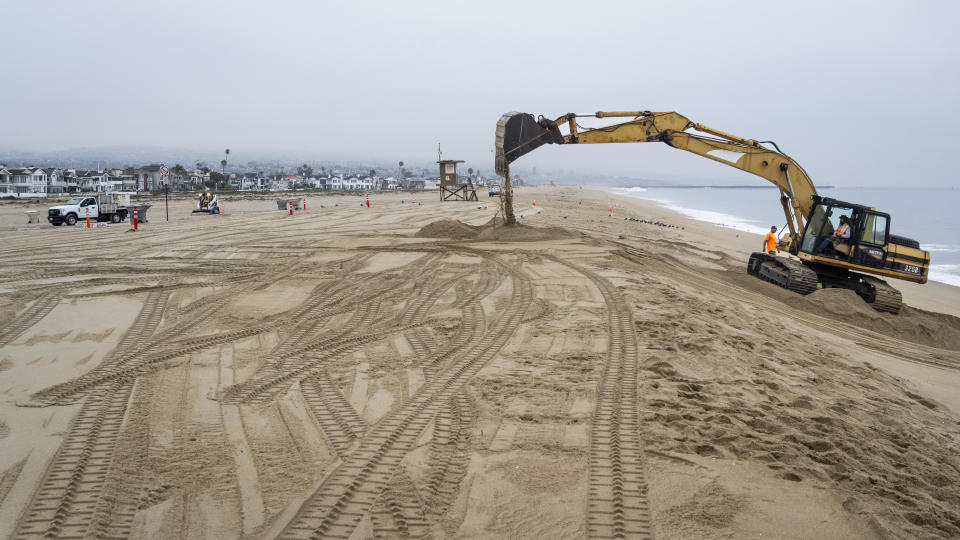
{"points": [[842, 233]]}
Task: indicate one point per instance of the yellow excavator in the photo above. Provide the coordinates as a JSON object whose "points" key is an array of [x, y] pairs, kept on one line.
{"points": [[825, 259]]}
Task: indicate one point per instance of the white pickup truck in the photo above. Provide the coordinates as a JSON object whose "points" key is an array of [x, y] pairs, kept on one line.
{"points": [[112, 207]]}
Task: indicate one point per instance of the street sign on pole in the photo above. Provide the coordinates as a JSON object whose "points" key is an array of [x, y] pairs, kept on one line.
{"points": [[165, 172]]}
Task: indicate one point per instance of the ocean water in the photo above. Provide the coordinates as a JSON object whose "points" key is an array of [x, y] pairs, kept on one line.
{"points": [[928, 215]]}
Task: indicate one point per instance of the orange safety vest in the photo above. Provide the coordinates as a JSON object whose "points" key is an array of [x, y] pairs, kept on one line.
{"points": [[841, 229], [771, 240]]}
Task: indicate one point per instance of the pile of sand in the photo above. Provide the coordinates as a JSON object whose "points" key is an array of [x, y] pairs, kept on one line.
{"points": [[911, 324], [447, 228], [492, 231]]}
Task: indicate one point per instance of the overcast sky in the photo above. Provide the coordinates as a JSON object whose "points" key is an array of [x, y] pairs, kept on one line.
{"points": [[860, 93]]}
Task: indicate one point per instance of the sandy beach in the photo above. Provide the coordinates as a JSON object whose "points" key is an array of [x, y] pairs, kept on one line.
{"points": [[404, 371]]}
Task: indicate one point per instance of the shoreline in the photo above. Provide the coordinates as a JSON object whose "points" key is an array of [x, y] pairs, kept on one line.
{"points": [[945, 273]]}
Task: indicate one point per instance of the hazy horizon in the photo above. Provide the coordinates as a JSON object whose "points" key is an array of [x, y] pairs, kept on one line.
{"points": [[855, 92]]}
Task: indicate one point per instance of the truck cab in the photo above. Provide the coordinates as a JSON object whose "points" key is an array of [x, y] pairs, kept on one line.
{"points": [[73, 210]]}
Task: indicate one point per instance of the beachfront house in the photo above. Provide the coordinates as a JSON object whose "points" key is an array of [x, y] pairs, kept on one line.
{"points": [[121, 180], [198, 180], [140, 178], [70, 182], [152, 179], [38, 180], [55, 183], [292, 181], [279, 183], [415, 183], [6, 186], [98, 181], [24, 182], [355, 183], [252, 181]]}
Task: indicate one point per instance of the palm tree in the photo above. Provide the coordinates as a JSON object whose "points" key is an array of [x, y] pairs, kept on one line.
{"points": [[305, 171], [223, 168]]}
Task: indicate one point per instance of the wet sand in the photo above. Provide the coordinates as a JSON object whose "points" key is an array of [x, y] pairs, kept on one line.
{"points": [[262, 375]]}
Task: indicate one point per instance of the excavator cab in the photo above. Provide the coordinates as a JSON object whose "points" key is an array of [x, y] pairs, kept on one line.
{"points": [[822, 236], [869, 248], [867, 240]]}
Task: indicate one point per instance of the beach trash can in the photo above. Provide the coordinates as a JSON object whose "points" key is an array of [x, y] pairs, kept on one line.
{"points": [[141, 212], [32, 216], [283, 204]]}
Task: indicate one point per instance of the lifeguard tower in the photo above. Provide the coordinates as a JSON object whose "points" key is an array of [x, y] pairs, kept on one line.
{"points": [[450, 187]]}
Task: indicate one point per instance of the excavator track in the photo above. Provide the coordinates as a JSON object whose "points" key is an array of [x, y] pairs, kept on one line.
{"points": [[885, 297], [783, 272]]}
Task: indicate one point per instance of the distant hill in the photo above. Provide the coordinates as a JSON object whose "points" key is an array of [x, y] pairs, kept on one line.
{"points": [[137, 155]]}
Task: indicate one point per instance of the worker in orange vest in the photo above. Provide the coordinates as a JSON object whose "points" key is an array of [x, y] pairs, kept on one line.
{"points": [[842, 233], [770, 241]]}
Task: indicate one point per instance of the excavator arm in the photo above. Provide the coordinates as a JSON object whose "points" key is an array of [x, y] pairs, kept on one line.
{"points": [[520, 133]]}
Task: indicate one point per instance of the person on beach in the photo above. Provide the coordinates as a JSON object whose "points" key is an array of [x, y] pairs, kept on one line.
{"points": [[842, 233], [770, 241]]}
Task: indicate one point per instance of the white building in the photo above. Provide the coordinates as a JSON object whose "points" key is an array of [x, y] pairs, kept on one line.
{"points": [[355, 183], [6, 185], [24, 182], [99, 181]]}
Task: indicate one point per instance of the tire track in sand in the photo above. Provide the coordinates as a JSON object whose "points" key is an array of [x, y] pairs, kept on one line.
{"points": [[347, 494], [400, 510], [69, 494], [617, 503], [338, 420], [31, 316]]}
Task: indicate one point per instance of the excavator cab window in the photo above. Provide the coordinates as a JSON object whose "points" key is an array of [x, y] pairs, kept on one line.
{"points": [[841, 248], [818, 237], [814, 225], [873, 233], [875, 229]]}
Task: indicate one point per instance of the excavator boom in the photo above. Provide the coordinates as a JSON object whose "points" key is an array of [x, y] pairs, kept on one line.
{"points": [[519, 134]]}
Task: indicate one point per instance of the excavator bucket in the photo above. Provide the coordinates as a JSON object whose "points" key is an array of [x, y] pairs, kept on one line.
{"points": [[518, 134]]}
